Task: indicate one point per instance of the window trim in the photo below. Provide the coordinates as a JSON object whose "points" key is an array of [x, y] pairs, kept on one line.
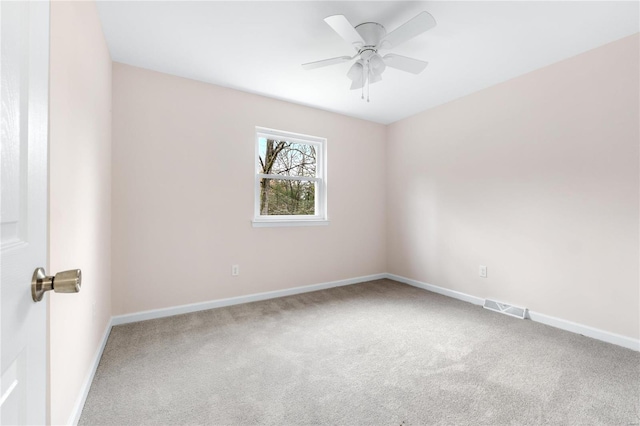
{"points": [[320, 218]]}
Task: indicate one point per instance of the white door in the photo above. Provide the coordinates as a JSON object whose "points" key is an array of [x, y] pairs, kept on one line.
{"points": [[24, 71]]}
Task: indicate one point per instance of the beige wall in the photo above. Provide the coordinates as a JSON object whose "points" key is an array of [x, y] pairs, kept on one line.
{"points": [[80, 196], [183, 191], [536, 178]]}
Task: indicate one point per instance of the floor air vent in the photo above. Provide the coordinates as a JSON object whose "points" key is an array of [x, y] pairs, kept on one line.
{"points": [[506, 309]]}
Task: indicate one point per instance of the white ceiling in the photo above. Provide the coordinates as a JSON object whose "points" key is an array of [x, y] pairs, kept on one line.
{"points": [[258, 46]]}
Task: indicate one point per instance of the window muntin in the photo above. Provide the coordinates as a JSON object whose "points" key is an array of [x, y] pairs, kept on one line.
{"points": [[290, 178]]}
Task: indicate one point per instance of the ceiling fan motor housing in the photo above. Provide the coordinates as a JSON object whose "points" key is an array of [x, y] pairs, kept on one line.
{"points": [[371, 33]]}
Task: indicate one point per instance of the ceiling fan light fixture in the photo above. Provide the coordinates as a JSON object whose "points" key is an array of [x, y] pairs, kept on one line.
{"points": [[355, 72], [376, 65], [357, 84], [374, 78]]}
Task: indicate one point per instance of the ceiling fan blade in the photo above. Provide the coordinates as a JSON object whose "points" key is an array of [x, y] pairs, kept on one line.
{"points": [[414, 66], [420, 23], [326, 62], [341, 25]]}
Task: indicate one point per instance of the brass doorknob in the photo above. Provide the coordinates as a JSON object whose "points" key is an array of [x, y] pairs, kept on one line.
{"points": [[62, 282]]}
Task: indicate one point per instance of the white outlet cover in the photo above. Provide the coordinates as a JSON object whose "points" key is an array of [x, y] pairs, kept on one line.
{"points": [[483, 271]]}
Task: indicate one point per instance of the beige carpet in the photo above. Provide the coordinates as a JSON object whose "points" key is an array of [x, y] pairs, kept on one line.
{"points": [[377, 353]]}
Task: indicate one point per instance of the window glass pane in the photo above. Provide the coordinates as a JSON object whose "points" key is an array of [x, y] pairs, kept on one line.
{"points": [[278, 157], [287, 197]]}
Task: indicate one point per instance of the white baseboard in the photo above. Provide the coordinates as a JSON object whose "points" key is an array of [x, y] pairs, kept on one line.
{"points": [[440, 290], [585, 330], [84, 390], [219, 303]]}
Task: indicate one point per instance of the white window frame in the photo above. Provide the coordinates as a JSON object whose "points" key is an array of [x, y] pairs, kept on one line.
{"points": [[320, 218]]}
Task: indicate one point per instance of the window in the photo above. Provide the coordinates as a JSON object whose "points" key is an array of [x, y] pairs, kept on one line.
{"points": [[290, 184]]}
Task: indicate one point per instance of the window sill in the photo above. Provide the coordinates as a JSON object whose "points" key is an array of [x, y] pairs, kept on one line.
{"points": [[281, 223]]}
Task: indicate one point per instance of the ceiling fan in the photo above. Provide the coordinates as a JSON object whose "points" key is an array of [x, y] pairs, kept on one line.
{"points": [[368, 39]]}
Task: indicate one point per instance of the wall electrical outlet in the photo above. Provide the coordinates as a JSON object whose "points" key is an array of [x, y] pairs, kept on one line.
{"points": [[235, 270], [482, 271]]}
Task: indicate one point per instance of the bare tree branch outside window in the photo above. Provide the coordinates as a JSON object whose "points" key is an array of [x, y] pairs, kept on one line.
{"points": [[287, 196]]}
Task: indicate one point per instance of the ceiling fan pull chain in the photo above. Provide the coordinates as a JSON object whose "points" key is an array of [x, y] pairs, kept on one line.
{"points": [[368, 79], [362, 88], [367, 90]]}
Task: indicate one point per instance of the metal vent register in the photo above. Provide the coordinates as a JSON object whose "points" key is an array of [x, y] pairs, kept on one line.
{"points": [[505, 308]]}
